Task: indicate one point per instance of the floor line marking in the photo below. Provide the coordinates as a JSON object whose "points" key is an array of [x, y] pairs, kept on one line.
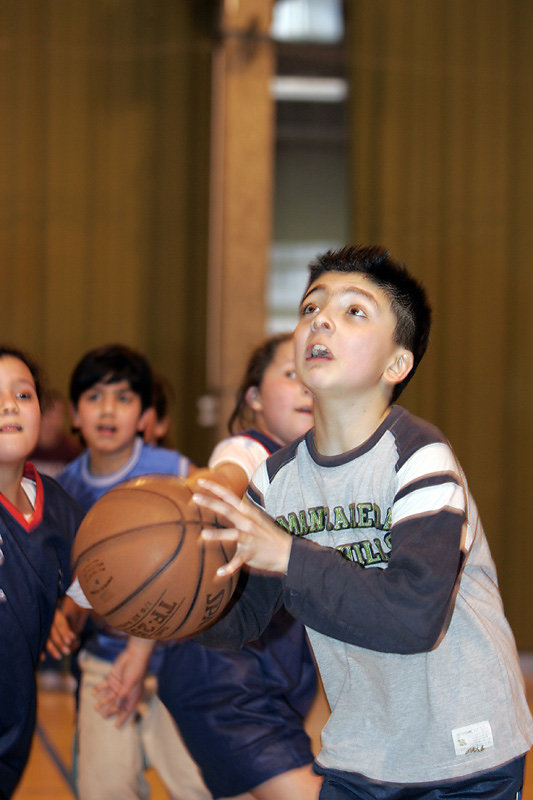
{"points": [[56, 758]]}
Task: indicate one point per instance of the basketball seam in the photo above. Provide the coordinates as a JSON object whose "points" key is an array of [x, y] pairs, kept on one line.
{"points": [[150, 578], [117, 535], [196, 593], [120, 490]]}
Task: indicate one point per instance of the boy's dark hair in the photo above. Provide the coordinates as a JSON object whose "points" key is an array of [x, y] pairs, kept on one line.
{"points": [[259, 360], [408, 297], [14, 352], [111, 364]]}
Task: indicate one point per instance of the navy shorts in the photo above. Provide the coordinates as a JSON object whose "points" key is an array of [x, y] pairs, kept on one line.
{"points": [[503, 783], [241, 713]]}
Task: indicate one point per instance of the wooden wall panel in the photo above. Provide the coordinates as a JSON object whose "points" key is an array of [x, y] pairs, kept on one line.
{"points": [[241, 195], [104, 140], [441, 111]]}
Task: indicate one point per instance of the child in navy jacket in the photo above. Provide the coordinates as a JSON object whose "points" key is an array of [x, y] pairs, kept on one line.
{"points": [[38, 521]]}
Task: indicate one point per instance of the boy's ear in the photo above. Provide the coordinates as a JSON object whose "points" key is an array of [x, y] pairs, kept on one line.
{"points": [[399, 368], [252, 398], [146, 417], [74, 416]]}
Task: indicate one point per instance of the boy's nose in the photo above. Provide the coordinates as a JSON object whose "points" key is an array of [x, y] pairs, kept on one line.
{"points": [[321, 321], [7, 403], [108, 405]]}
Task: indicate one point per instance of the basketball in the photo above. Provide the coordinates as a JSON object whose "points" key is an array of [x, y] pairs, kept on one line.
{"points": [[142, 564]]}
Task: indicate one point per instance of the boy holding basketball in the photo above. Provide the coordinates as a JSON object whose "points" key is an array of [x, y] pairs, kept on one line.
{"points": [[373, 541], [111, 392]]}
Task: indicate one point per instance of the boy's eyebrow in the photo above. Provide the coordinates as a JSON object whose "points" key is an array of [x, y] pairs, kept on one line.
{"points": [[121, 385], [344, 290], [24, 382]]}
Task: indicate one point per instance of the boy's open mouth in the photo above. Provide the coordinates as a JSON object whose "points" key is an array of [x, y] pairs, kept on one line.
{"points": [[106, 429], [317, 351]]}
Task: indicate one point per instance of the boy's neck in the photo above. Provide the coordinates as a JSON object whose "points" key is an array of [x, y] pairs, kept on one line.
{"points": [[102, 463], [341, 427], [11, 487]]}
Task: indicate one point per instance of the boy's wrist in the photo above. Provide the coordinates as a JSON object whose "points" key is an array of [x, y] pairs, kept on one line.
{"points": [[140, 649]]}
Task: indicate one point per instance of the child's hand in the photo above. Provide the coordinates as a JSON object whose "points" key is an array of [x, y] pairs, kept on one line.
{"points": [[113, 701], [62, 640], [119, 693], [260, 542]]}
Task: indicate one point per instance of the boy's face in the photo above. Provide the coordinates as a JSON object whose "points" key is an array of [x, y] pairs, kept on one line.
{"points": [[20, 413], [109, 416], [344, 339]]}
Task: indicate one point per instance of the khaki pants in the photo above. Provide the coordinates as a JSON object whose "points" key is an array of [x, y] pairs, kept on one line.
{"points": [[112, 761]]}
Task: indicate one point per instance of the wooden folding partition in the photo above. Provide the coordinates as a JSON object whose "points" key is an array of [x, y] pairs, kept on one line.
{"points": [[441, 173]]}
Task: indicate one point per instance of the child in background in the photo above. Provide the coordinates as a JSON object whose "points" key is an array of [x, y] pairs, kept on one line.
{"points": [[242, 714], [378, 549], [111, 394], [56, 447], [38, 521]]}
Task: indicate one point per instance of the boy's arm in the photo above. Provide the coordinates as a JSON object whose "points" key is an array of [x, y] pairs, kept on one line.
{"points": [[401, 609], [405, 608]]}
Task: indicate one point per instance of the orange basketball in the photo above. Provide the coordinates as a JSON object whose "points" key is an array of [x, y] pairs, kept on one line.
{"points": [[142, 564]]}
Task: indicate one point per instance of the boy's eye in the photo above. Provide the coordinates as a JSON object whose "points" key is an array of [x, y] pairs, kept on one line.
{"points": [[93, 397], [125, 397], [291, 373], [24, 395], [308, 308], [356, 311]]}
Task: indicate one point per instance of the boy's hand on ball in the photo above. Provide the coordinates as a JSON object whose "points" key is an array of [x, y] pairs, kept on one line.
{"points": [[261, 543]]}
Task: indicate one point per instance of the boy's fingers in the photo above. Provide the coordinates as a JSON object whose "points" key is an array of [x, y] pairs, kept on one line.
{"points": [[219, 491], [229, 512], [231, 567], [109, 686], [127, 708], [57, 646], [52, 650], [228, 535], [220, 534]]}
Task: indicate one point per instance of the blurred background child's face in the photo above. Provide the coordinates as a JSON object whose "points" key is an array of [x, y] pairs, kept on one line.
{"points": [[20, 413], [283, 407], [109, 415], [53, 422]]}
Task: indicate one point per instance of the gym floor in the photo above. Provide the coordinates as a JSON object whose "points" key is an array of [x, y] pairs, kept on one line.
{"points": [[47, 774]]}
